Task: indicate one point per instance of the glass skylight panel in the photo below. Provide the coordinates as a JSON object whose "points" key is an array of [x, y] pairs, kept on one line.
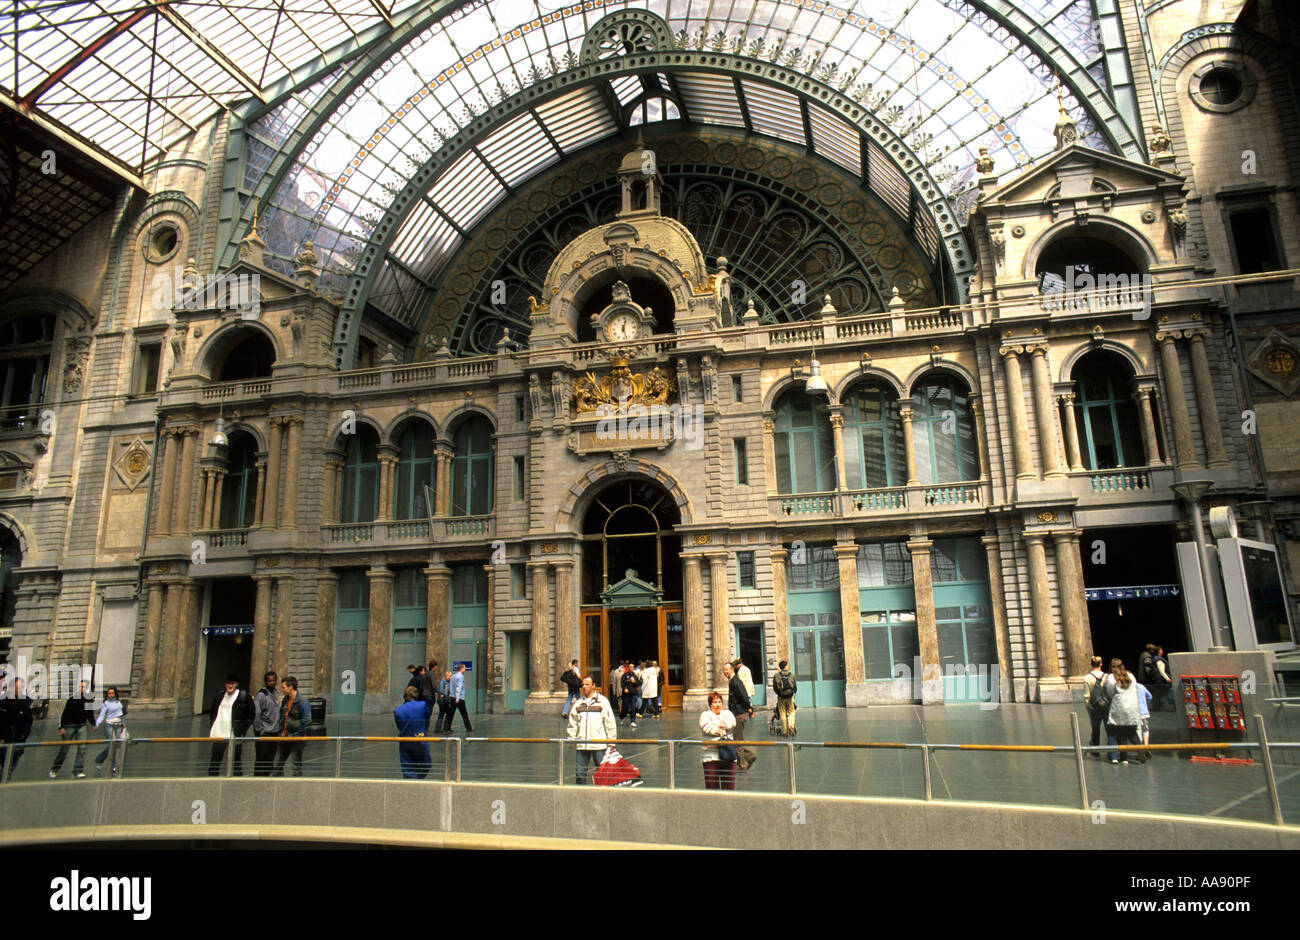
{"points": [[835, 140], [626, 87], [774, 111], [518, 150], [466, 190], [577, 118], [710, 99], [887, 180]]}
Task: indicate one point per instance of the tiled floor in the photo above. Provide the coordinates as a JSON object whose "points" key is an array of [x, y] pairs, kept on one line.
{"points": [[1165, 784]]}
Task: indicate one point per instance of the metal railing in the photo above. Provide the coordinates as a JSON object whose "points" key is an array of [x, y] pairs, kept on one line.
{"points": [[354, 757]]}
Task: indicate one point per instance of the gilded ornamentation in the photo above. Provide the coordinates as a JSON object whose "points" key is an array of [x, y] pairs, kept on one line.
{"points": [[702, 538], [1047, 516], [550, 548], [621, 388]]}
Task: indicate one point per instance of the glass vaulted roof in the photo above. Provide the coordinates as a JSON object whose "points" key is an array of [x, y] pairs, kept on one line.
{"points": [[942, 74]]}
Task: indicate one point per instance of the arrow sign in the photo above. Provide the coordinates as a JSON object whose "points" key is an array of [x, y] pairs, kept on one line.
{"points": [[1132, 592]]}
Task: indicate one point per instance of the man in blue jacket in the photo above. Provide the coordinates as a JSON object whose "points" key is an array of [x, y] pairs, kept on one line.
{"points": [[295, 716], [412, 717]]}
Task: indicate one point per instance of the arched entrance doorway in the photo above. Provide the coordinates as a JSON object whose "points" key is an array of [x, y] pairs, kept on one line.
{"points": [[632, 584]]}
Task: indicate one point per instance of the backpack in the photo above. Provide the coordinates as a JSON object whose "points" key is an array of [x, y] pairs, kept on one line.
{"points": [[783, 685], [1098, 697]]}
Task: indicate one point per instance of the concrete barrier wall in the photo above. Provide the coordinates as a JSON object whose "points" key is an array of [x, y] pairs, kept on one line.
{"points": [[428, 813]]}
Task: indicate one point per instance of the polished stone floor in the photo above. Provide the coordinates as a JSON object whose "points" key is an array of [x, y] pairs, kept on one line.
{"points": [[1166, 783]]}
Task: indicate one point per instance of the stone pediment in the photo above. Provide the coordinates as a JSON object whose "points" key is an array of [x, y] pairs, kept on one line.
{"points": [[1081, 172], [631, 592]]}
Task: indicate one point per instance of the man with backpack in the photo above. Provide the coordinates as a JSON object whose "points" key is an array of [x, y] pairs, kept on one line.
{"points": [[573, 682], [1097, 701], [784, 686]]}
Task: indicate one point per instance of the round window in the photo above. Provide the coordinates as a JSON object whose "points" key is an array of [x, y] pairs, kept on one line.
{"points": [[1222, 86], [163, 241]]}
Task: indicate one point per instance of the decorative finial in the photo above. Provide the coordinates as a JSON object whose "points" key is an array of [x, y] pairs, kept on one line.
{"points": [[252, 232]]}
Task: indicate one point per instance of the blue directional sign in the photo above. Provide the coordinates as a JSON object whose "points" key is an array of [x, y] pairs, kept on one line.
{"points": [[469, 666], [235, 630], [1132, 592]]}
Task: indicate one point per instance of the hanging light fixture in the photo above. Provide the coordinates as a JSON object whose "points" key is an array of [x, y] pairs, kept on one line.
{"points": [[815, 384], [219, 438]]}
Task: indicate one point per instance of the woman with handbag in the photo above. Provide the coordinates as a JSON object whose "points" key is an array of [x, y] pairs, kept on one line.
{"points": [[719, 759], [1124, 714]]}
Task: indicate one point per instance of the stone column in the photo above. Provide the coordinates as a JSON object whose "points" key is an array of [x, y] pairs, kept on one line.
{"points": [[259, 506], [174, 626], [926, 631], [1049, 436], [261, 658], [442, 451], [283, 620], [379, 641], [697, 676], [333, 480], [1185, 449], [188, 647], [209, 486], [1019, 425], [387, 462], [541, 642], [981, 437], [291, 471], [322, 674], [271, 503], [1074, 605], [1066, 401], [1001, 630], [720, 615], [167, 482], [437, 633], [909, 445], [850, 613], [1146, 417], [219, 481], [152, 638], [769, 450], [492, 683], [780, 608], [568, 640], [837, 434], [1040, 592], [181, 516], [1211, 430]]}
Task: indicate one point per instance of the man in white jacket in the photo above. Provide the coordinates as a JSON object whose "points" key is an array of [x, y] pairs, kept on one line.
{"points": [[591, 719]]}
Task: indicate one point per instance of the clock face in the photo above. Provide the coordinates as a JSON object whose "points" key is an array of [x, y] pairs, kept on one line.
{"points": [[622, 327]]}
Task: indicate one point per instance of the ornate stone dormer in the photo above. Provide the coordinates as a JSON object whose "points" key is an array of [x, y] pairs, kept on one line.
{"points": [[252, 249], [638, 177]]}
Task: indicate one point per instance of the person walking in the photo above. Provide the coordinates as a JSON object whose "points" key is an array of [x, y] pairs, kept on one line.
{"points": [[746, 677], [573, 682], [1123, 715], [75, 721], [444, 703], [1144, 719], [650, 678], [457, 700], [16, 721], [630, 683], [266, 725], [616, 684], [591, 720], [1153, 672], [742, 710], [719, 759], [784, 685], [232, 713], [425, 690], [1093, 701], [295, 716], [412, 719], [112, 718]]}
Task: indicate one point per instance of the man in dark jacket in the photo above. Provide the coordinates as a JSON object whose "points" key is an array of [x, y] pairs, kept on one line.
{"points": [[232, 714], [630, 683], [74, 721], [266, 725], [15, 721], [573, 682], [422, 682], [295, 716], [412, 719], [739, 705]]}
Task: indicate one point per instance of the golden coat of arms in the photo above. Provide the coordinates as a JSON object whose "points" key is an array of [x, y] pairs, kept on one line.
{"points": [[622, 388]]}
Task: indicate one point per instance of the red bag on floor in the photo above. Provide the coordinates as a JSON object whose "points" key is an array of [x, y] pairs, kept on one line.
{"points": [[616, 771]]}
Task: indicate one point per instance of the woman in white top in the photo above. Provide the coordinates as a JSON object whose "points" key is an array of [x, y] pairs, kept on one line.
{"points": [[1122, 719], [717, 723]]}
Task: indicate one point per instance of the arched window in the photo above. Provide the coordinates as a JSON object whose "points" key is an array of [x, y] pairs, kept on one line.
{"points": [[239, 489], [359, 497], [943, 431], [251, 357], [415, 471], [1109, 435], [471, 468], [873, 438], [1074, 263], [25, 344], [805, 447]]}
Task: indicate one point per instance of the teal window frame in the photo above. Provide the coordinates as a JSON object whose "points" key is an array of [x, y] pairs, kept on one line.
{"points": [[239, 489], [408, 479], [517, 490], [820, 571], [861, 431], [929, 438], [746, 572], [1115, 413], [360, 465], [518, 583], [741, 452], [471, 457], [804, 443], [897, 624]]}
